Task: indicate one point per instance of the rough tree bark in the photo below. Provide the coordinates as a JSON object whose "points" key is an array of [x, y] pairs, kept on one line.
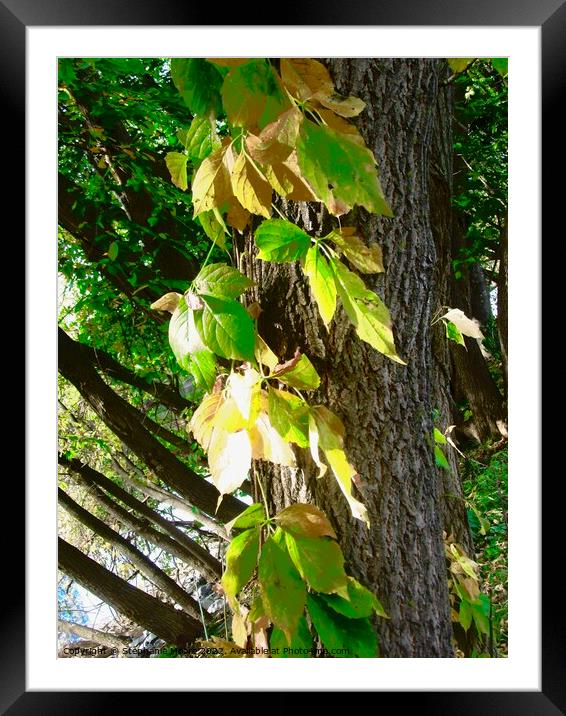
{"points": [[387, 408], [173, 625]]}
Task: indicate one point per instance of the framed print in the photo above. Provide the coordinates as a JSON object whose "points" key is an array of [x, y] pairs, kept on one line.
{"points": [[35, 36]]}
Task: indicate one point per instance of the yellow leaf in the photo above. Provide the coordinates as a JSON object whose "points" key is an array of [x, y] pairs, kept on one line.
{"points": [[211, 186], [202, 422], [229, 459], [344, 106], [340, 125], [229, 418], [239, 630], [367, 259], [313, 444], [344, 473], [264, 354], [245, 391], [267, 444], [304, 77], [287, 180], [228, 649], [250, 187]]}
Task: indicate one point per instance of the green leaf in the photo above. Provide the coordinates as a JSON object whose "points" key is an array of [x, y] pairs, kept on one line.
{"points": [[202, 366], [113, 250], [300, 646], [252, 516], [177, 165], [454, 333], [459, 64], [465, 615], [305, 521], [283, 591], [221, 280], [501, 65], [343, 637], [281, 241], [366, 310], [213, 228], [440, 458], [226, 328], [252, 95], [341, 172], [298, 372], [184, 338], [319, 560], [199, 83], [439, 438], [289, 416], [321, 281], [241, 560], [199, 139], [480, 613], [360, 603]]}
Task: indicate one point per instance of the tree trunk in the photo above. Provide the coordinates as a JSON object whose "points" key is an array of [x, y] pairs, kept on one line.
{"points": [[472, 379], [150, 570], [387, 408], [117, 414], [173, 541], [172, 625]]}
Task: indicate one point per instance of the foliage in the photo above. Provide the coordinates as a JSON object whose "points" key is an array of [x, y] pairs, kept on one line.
{"points": [[481, 145], [301, 587], [485, 489]]}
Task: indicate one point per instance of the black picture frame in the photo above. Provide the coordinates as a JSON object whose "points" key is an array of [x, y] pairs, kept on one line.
{"points": [[550, 16]]}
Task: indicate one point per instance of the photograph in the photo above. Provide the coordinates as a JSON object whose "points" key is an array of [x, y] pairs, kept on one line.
{"points": [[282, 355]]}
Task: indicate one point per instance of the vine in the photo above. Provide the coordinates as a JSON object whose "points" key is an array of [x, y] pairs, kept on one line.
{"points": [[261, 127]]}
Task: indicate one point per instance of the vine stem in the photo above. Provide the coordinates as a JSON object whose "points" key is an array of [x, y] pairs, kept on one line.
{"points": [[279, 212]]}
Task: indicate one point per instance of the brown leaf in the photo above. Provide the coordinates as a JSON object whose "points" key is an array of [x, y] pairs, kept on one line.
{"points": [[305, 520], [237, 216], [168, 302], [278, 139], [254, 309], [282, 368]]}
